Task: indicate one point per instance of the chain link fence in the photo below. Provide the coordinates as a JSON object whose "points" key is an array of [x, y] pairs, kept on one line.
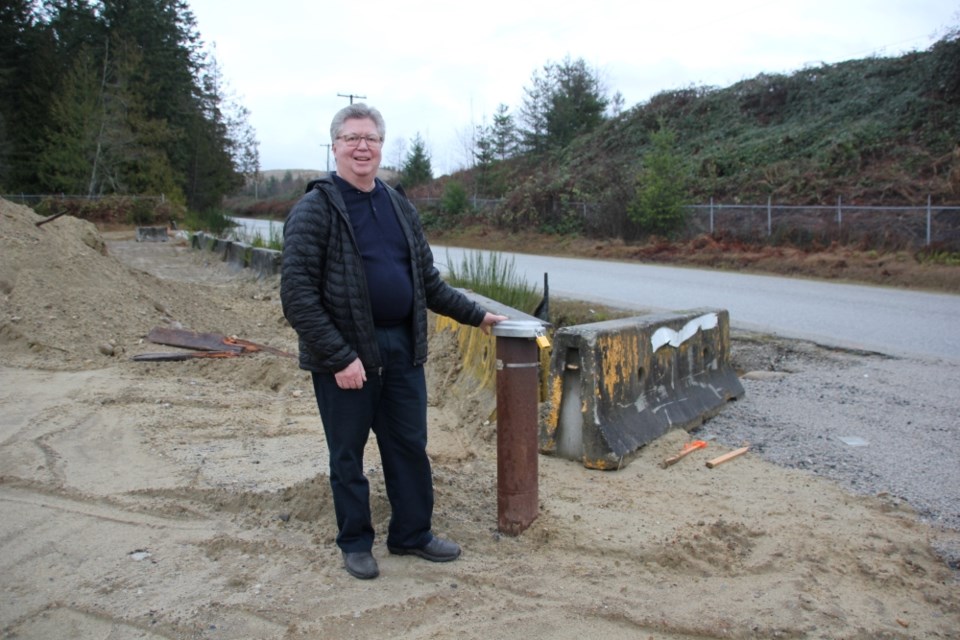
{"points": [[890, 227], [873, 226], [33, 199]]}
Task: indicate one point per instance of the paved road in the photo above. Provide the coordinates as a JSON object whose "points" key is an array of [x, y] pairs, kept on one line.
{"points": [[891, 321]]}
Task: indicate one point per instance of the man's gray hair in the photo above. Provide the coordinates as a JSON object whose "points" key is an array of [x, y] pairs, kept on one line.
{"points": [[356, 111]]}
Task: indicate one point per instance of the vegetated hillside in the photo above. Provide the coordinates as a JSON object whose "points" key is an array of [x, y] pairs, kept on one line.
{"points": [[876, 131]]}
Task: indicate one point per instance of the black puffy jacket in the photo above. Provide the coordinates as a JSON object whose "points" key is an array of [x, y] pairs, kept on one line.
{"points": [[324, 292]]}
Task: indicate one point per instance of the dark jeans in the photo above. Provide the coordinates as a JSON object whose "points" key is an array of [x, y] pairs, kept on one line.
{"points": [[393, 404]]}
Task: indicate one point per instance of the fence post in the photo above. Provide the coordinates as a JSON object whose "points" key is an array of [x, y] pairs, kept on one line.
{"points": [[929, 219], [839, 217], [711, 215], [769, 218]]}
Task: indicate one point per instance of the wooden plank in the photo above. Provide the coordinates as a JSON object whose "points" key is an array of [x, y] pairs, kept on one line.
{"points": [[727, 456]]}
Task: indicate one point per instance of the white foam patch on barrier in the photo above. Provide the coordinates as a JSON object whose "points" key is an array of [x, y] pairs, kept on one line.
{"points": [[667, 336]]}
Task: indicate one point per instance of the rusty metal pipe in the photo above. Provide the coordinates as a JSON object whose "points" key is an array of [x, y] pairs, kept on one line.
{"points": [[517, 425]]}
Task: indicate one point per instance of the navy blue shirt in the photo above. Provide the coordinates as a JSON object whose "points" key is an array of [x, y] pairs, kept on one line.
{"points": [[385, 252]]}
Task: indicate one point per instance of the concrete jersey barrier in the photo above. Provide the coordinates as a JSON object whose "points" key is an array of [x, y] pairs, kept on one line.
{"points": [[615, 386]]}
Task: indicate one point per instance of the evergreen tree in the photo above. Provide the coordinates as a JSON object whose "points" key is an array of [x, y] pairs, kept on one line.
{"points": [[6, 147], [16, 31], [68, 151], [484, 156], [660, 200], [565, 101], [273, 186], [504, 133], [211, 172], [576, 103], [139, 162], [99, 138], [68, 143], [244, 147], [616, 104], [16, 26], [32, 62], [116, 96], [416, 168], [181, 86], [533, 113]]}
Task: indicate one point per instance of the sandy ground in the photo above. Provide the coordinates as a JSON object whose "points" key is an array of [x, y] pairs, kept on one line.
{"points": [[190, 499]]}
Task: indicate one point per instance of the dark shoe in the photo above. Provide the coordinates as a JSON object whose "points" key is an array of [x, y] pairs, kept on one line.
{"points": [[436, 550], [361, 564]]}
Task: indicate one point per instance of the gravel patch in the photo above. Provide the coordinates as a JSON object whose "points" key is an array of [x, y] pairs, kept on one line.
{"points": [[875, 424]]}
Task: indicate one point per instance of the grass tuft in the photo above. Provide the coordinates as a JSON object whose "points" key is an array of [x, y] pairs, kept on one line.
{"points": [[493, 276]]}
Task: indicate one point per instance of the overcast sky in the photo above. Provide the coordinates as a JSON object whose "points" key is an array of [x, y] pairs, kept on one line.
{"points": [[439, 68]]}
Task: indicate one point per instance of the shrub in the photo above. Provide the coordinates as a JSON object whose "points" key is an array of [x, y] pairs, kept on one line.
{"points": [[213, 221], [454, 201], [659, 205]]}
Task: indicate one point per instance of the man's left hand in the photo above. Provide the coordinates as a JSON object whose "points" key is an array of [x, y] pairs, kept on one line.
{"points": [[489, 320]]}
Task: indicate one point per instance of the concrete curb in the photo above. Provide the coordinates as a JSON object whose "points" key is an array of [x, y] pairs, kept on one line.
{"points": [[240, 255]]}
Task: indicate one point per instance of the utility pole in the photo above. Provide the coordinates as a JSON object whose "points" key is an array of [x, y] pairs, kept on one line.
{"points": [[328, 156], [351, 96]]}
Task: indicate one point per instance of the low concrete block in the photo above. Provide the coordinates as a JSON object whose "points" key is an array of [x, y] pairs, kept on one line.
{"points": [[265, 262], [618, 385], [151, 234], [220, 247], [237, 254], [202, 241]]}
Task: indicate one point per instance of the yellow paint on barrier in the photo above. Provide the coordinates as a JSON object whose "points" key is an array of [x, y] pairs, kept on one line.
{"points": [[551, 421], [478, 353], [600, 464], [619, 357], [478, 359]]}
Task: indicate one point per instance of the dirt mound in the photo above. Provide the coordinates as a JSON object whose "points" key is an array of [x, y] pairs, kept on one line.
{"points": [[69, 304]]}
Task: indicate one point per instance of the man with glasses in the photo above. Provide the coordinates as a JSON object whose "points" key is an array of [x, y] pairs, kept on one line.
{"points": [[357, 280]]}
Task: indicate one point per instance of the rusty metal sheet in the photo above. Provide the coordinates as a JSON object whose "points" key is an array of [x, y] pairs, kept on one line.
{"points": [[176, 356], [191, 340], [208, 342]]}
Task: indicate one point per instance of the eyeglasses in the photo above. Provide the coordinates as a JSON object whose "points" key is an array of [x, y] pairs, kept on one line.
{"points": [[353, 140]]}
